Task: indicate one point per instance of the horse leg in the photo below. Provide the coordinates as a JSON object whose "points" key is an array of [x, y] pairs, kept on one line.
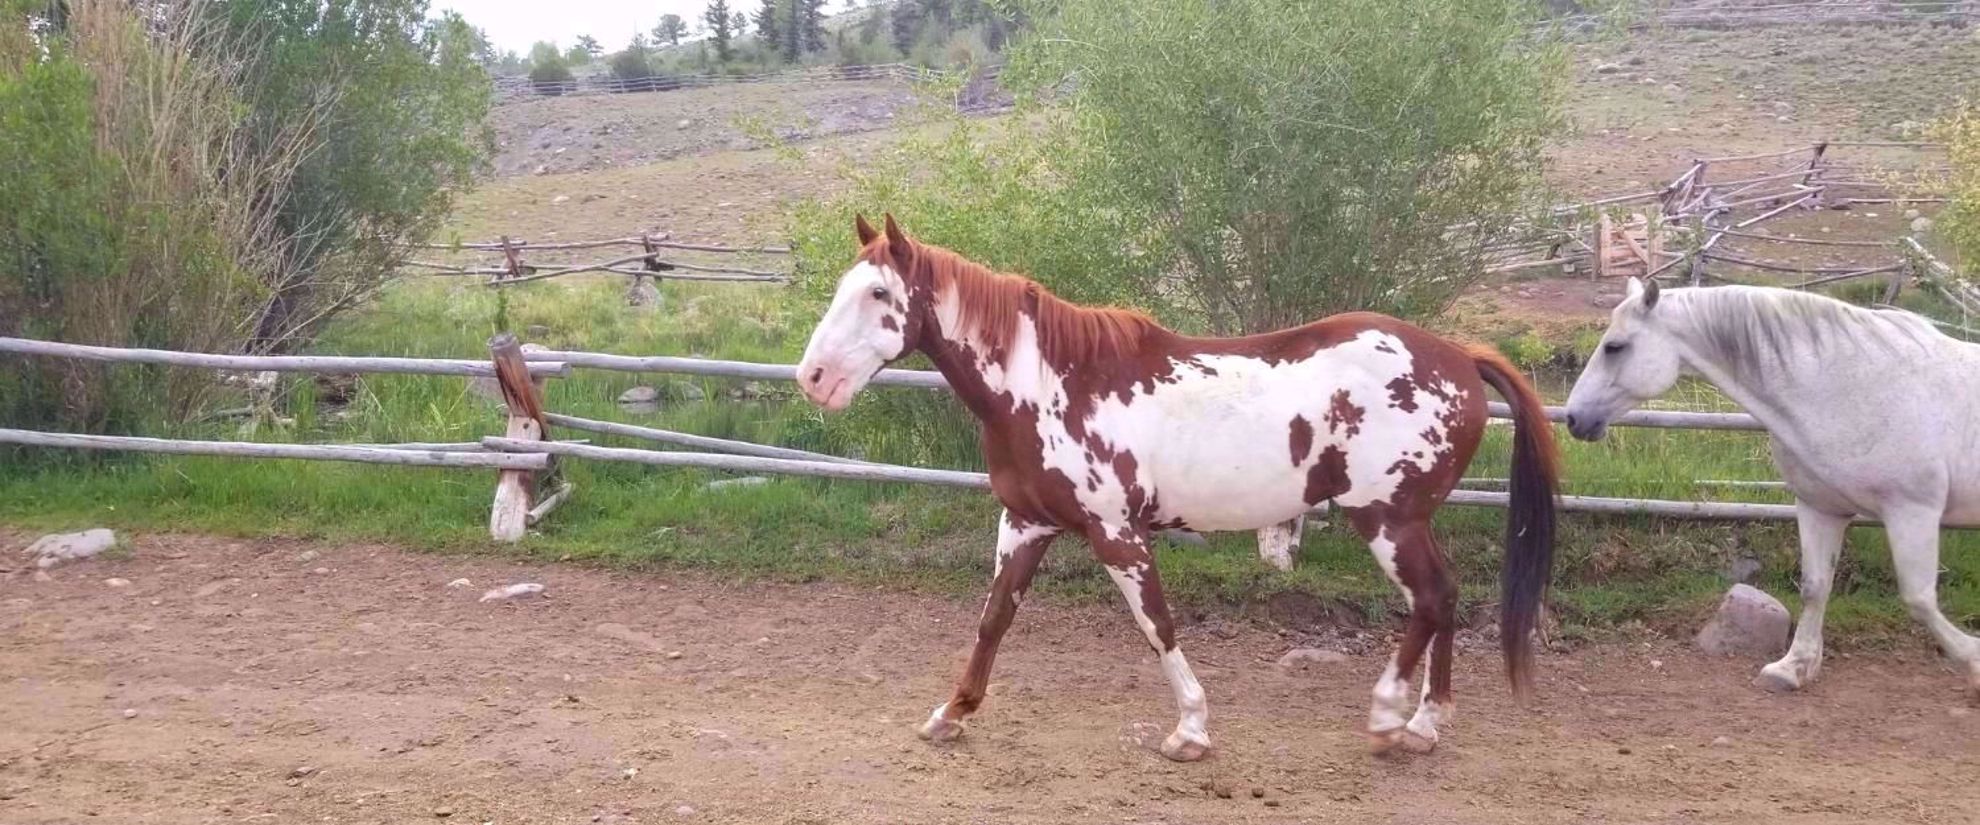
{"points": [[1128, 560], [1436, 706], [1914, 536], [1821, 543], [1411, 559], [1278, 543], [1020, 546]]}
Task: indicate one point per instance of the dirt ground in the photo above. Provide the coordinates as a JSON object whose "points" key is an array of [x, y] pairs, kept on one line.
{"points": [[278, 681]]}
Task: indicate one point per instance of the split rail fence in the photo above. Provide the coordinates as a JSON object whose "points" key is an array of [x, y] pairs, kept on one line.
{"points": [[525, 458]]}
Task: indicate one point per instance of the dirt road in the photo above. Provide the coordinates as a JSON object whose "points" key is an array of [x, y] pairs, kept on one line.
{"points": [[280, 682]]}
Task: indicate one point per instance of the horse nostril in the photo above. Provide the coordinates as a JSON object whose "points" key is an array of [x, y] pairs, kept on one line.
{"points": [[1570, 421], [817, 375]]}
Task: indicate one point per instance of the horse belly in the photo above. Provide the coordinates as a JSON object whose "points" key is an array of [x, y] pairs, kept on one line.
{"points": [[1232, 480]]}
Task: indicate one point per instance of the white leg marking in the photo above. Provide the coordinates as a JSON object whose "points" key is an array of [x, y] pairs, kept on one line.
{"points": [[1391, 696], [939, 727], [1385, 555], [1191, 739], [1429, 715], [1821, 542]]}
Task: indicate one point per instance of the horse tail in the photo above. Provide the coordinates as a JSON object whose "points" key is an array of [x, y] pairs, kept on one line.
{"points": [[1534, 482]]}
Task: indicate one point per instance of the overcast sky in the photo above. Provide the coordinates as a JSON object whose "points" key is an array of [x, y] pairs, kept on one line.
{"points": [[515, 24]]}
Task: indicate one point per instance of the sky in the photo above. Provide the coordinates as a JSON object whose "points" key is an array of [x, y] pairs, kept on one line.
{"points": [[515, 24]]}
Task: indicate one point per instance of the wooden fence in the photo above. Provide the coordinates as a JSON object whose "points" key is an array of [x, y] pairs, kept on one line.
{"points": [[528, 486], [510, 268], [509, 89]]}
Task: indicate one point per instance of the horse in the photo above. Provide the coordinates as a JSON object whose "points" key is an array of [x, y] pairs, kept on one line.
{"points": [[1103, 424], [1870, 413]]}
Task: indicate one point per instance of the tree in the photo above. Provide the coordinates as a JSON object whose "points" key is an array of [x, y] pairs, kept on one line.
{"points": [[739, 23], [544, 51], [549, 73], [670, 30], [634, 63], [869, 28], [907, 26], [576, 56], [1960, 222], [590, 46], [1300, 169], [810, 20], [721, 28], [768, 24]]}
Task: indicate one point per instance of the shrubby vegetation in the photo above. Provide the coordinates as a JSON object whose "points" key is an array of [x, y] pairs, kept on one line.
{"points": [[1960, 223], [219, 176]]}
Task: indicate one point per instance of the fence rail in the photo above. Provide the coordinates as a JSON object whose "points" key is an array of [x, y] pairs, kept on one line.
{"points": [[517, 88]]}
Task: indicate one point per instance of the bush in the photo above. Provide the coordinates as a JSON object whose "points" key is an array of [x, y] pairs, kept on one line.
{"points": [[550, 76], [1959, 223], [1287, 159], [221, 176]]}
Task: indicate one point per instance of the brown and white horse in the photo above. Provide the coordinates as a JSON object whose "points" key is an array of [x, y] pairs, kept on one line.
{"points": [[1101, 423]]}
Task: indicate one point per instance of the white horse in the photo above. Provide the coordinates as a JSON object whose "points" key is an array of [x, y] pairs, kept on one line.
{"points": [[1872, 413]]}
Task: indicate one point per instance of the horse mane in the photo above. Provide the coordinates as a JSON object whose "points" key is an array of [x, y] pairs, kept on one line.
{"points": [[1749, 329], [990, 304]]}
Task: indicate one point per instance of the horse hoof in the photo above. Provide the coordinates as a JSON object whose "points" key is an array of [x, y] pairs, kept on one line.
{"points": [[1384, 742], [940, 729], [1775, 683], [1413, 742], [1178, 749]]}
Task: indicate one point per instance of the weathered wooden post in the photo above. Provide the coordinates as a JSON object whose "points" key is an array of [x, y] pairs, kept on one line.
{"points": [[522, 397]]}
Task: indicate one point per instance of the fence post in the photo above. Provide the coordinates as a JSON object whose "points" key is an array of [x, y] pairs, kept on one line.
{"points": [[522, 397], [513, 256], [1815, 166]]}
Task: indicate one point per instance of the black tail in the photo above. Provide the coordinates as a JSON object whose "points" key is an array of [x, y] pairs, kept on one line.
{"points": [[1530, 516]]}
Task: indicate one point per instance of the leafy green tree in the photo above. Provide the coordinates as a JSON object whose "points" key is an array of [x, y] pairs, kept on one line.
{"points": [[721, 28], [1287, 159], [549, 72], [544, 51], [590, 46], [635, 62], [670, 30]]}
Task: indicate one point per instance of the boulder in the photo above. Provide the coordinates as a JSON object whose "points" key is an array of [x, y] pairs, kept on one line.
{"points": [[1748, 623], [62, 548]]}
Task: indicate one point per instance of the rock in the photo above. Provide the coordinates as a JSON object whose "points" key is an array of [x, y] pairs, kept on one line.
{"points": [[536, 330], [307, 556], [686, 391], [1783, 119], [684, 810], [1608, 68], [1783, 107], [301, 772], [1911, 214], [560, 199], [639, 395], [541, 170], [1722, 741], [1191, 538], [130, 713], [62, 548], [1635, 60], [457, 583], [1745, 569], [1921, 225], [1749, 623], [1673, 88], [745, 481], [1257, 792], [116, 582], [684, 124], [443, 813], [674, 654], [643, 293], [1303, 657], [515, 591], [485, 386]]}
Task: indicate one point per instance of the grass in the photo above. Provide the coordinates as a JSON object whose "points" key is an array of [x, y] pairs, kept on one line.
{"points": [[1612, 573]]}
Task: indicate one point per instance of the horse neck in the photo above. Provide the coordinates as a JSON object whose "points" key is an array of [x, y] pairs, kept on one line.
{"points": [[963, 359], [1780, 405]]}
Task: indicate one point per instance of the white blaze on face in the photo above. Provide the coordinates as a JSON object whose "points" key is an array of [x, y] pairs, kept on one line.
{"points": [[863, 329]]}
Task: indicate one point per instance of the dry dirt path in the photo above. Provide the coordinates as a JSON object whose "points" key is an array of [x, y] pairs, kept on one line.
{"points": [[279, 682]]}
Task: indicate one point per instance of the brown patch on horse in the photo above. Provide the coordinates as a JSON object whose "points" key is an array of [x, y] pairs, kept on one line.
{"points": [[887, 323], [1328, 477], [1301, 439], [1344, 414], [1402, 393]]}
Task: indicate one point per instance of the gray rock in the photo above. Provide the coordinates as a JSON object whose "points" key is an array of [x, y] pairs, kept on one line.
{"points": [[62, 548], [639, 395], [1608, 68], [745, 481], [1749, 623], [1921, 225], [1300, 658], [1745, 569], [686, 391], [1187, 537], [643, 294], [1911, 214], [536, 330]]}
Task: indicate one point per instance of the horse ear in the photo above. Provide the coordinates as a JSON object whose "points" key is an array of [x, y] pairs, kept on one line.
{"points": [[897, 241], [1650, 291], [866, 231]]}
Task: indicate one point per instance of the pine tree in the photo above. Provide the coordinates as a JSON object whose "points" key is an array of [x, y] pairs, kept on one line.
{"points": [[907, 26], [767, 20], [720, 28]]}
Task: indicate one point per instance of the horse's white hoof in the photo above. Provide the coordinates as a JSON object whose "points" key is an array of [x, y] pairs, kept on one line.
{"points": [[1413, 742], [940, 729], [1773, 680], [1384, 742], [1180, 748]]}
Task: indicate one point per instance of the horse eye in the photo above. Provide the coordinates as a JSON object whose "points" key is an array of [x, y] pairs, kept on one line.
{"points": [[1614, 347], [879, 293]]}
